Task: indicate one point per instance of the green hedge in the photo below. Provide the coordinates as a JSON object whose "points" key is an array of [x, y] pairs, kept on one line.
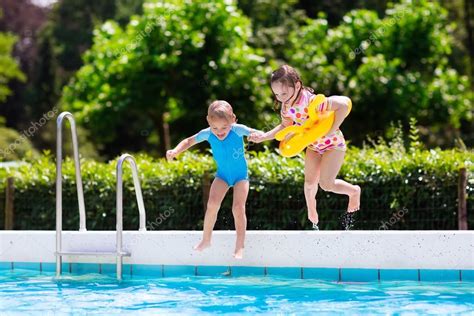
{"points": [[419, 185]]}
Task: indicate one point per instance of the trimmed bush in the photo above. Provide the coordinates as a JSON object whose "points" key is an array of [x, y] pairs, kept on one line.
{"points": [[401, 189]]}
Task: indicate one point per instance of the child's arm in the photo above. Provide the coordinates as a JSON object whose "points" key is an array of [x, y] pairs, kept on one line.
{"points": [[243, 130], [261, 136], [184, 145], [340, 106]]}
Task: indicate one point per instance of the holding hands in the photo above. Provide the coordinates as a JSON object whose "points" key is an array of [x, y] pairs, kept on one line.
{"points": [[257, 137]]}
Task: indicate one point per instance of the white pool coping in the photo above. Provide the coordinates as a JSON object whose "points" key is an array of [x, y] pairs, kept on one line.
{"points": [[323, 249]]}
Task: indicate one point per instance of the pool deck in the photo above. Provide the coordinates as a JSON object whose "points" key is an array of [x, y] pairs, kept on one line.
{"points": [[452, 250]]}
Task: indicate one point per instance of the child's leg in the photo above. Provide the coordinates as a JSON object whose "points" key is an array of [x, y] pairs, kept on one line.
{"points": [[241, 191], [311, 178], [330, 165], [216, 195]]}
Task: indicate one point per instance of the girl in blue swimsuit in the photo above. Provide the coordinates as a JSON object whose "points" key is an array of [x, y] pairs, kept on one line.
{"points": [[226, 140]]}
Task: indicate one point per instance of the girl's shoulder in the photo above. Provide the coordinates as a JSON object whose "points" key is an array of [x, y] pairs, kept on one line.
{"points": [[306, 97]]}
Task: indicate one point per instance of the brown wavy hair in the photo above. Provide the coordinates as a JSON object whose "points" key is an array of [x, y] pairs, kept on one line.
{"points": [[287, 75]]}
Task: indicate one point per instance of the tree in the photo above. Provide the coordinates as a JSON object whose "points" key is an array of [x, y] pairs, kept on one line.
{"points": [[61, 42], [13, 145], [22, 19], [167, 64], [389, 75], [272, 22], [9, 68]]}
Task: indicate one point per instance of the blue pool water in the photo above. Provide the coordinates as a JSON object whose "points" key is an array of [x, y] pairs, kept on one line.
{"points": [[28, 292]]}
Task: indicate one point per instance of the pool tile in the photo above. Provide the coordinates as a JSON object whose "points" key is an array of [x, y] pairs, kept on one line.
{"points": [[48, 267], [294, 273], [247, 271], [66, 267], [398, 275], [439, 275], [359, 275], [327, 274], [5, 265], [213, 271], [180, 270], [26, 265], [109, 269], [84, 268], [127, 269], [467, 275], [147, 270]]}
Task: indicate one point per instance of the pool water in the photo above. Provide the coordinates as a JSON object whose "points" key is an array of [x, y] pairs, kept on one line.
{"points": [[28, 292]]}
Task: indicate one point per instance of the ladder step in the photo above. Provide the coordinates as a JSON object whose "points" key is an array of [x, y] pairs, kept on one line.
{"points": [[91, 253]]}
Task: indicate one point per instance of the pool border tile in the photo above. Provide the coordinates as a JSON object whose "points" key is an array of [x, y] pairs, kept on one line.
{"points": [[66, 267], [241, 271], [179, 270], [48, 267], [109, 269], [359, 275], [399, 275], [213, 271], [324, 274], [80, 268], [467, 275], [5, 265], [287, 272], [147, 270], [26, 265], [436, 275]]}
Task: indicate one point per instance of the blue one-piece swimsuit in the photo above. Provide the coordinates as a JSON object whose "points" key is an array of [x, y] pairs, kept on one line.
{"points": [[228, 153]]}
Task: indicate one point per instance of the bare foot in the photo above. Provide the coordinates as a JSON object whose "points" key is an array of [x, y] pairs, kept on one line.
{"points": [[354, 201], [313, 216], [239, 253], [202, 245]]}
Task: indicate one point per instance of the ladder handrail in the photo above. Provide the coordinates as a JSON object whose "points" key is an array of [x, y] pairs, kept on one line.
{"points": [[119, 204], [59, 183], [77, 165]]}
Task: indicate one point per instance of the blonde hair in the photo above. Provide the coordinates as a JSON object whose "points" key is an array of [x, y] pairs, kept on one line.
{"points": [[221, 110]]}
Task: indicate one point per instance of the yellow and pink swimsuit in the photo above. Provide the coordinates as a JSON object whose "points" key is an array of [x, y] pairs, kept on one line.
{"points": [[298, 114]]}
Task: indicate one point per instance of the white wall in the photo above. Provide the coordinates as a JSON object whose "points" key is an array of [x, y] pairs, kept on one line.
{"points": [[332, 249]]}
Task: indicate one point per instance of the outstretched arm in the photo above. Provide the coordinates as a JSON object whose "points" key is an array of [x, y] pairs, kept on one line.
{"points": [[259, 136], [184, 145]]}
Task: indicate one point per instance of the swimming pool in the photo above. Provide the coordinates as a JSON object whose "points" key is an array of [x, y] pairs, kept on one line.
{"points": [[297, 272], [26, 291]]}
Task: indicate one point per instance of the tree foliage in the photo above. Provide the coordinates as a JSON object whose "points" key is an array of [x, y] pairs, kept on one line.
{"points": [[9, 68], [175, 58], [389, 75]]}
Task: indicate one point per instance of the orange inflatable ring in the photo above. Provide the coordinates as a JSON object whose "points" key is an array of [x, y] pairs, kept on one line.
{"points": [[293, 139]]}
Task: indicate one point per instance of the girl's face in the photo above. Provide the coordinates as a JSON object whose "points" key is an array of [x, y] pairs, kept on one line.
{"points": [[220, 127], [284, 93]]}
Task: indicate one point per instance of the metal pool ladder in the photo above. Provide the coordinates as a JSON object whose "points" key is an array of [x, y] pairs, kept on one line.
{"points": [[118, 253]]}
